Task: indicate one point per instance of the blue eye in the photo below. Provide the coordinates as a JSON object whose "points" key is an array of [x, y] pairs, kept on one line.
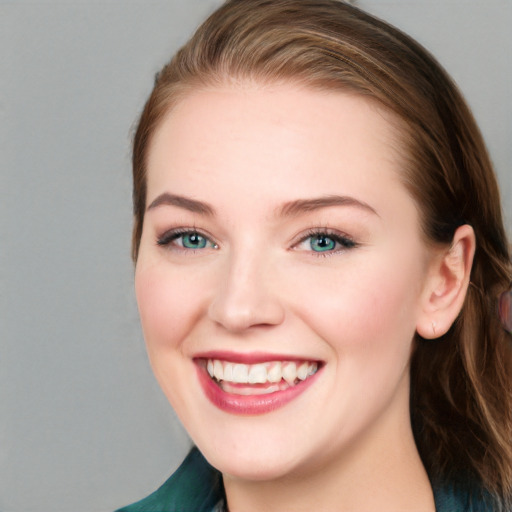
{"points": [[322, 243], [193, 241], [325, 242], [186, 239]]}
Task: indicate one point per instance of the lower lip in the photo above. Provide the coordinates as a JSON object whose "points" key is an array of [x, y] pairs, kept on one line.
{"points": [[250, 404]]}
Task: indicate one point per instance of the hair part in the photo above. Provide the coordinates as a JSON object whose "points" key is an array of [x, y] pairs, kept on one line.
{"points": [[461, 398]]}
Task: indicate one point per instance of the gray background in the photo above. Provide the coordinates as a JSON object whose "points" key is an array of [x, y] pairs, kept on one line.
{"points": [[83, 425]]}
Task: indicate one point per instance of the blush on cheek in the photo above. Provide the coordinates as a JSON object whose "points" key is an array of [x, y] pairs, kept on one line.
{"points": [[373, 314], [172, 302], [161, 309]]}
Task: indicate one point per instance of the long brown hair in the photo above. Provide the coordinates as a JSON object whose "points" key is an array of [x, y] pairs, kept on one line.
{"points": [[461, 396]]}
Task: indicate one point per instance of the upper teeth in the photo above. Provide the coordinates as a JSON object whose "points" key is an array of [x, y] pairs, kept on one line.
{"points": [[260, 373]]}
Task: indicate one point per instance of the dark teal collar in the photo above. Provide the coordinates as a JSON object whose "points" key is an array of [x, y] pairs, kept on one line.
{"points": [[195, 486], [461, 496]]}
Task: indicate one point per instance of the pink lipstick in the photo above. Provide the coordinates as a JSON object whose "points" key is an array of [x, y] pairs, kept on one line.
{"points": [[252, 384]]}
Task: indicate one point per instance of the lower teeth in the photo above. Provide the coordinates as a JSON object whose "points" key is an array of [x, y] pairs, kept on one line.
{"points": [[248, 390]]}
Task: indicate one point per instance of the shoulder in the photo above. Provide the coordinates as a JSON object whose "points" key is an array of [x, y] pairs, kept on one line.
{"points": [[463, 496], [195, 486]]}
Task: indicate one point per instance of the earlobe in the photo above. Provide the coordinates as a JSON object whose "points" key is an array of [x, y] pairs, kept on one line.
{"points": [[447, 284]]}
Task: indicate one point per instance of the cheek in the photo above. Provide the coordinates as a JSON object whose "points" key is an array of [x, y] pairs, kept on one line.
{"points": [[368, 311], [168, 306]]}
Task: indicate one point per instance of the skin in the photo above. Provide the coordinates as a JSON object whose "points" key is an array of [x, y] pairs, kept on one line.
{"points": [[246, 151]]}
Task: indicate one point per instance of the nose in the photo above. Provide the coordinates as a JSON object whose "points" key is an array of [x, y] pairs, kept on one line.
{"points": [[247, 295]]}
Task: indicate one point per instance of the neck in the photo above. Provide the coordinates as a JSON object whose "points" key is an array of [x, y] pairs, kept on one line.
{"points": [[380, 470]]}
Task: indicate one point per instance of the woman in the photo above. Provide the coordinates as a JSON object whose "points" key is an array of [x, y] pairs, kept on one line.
{"points": [[319, 257]]}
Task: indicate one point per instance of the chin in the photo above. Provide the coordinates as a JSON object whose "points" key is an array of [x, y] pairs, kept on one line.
{"points": [[255, 463], [256, 469]]}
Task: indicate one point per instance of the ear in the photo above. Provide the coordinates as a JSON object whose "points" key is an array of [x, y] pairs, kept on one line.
{"points": [[446, 285]]}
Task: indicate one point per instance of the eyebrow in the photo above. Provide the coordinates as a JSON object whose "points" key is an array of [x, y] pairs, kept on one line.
{"points": [[308, 205], [193, 205], [289, 209]]}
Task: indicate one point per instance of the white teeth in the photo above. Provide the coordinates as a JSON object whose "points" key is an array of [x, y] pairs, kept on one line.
{"points": [[256, 391], [302, 371], [270, 372], [290, 372], [209, 367], [228, 372], [218, 370], [274, 373], [241, 373], [258, 374]]}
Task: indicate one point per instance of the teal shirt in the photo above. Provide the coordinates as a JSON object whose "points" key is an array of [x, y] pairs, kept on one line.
{"points": [[197, 487]]}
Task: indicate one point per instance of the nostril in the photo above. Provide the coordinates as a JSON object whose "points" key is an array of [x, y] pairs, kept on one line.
{"points": [[239, 319], [240, 312], [246, 296]]}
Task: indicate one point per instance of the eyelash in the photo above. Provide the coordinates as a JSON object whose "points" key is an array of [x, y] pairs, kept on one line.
{"points": [[171, 236], [344, 241]]}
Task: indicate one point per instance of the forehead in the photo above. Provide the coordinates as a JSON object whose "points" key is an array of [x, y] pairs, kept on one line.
{"points": [[255, 136]]}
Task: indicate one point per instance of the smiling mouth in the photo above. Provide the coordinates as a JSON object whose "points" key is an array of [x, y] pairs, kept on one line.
{"points": [[258, 379]]}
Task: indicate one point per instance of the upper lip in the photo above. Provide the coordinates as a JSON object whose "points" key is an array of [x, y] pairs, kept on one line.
{"points": [[250, 357]]}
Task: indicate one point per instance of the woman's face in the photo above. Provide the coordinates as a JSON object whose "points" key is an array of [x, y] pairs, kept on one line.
{"points": [[281, 254]]}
